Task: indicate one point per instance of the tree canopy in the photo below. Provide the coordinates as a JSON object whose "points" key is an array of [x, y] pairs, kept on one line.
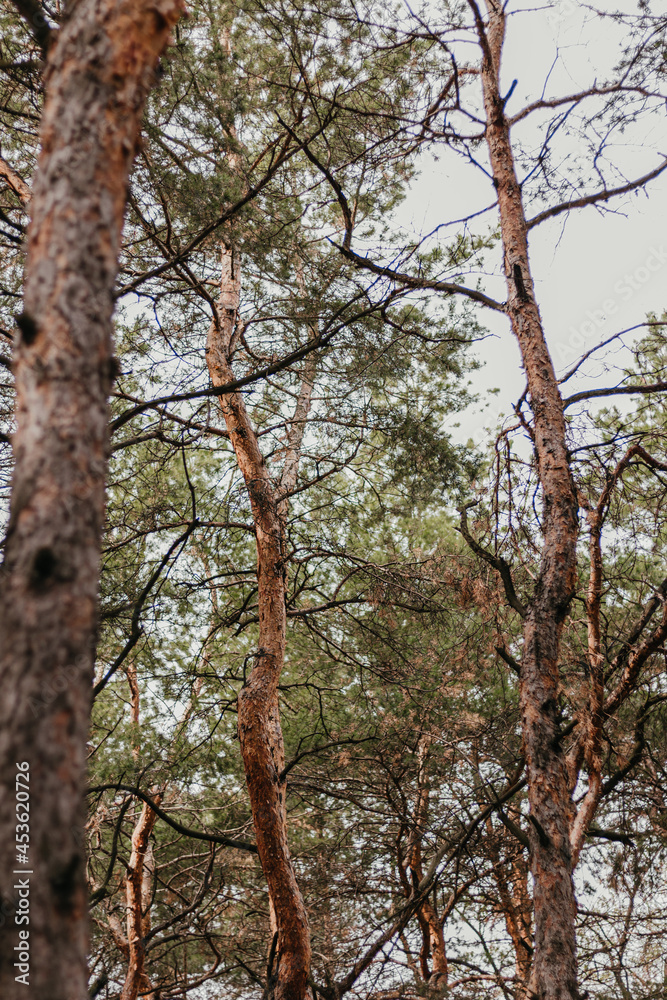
{"points": [[377, 709]]}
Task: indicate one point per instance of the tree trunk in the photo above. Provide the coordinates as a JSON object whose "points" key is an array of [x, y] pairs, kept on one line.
{"points": [[554, 975], [514, 900], [260, 734], [431, 924], [97, 76], [138, 889], [587, 747]]}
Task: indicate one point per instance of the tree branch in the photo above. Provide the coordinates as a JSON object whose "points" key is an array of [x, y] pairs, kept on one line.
{"points": [[32, 13], [135, 630], [410, 281], [497, 562], [592, 199], [15, 182], [619, 390], [213, 838], [426, 884]]}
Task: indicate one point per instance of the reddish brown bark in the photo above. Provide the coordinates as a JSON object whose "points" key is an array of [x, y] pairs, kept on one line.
{"points": [[138, 888], [258, 710], [554, 975], [587, 748], [522, 923], [98, 72], [515, 903], [15, 182], [433, 953]]}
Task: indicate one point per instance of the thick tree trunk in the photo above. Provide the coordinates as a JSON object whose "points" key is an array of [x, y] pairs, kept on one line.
{"points": [[260, 734], [97, 76], [554, 975]]}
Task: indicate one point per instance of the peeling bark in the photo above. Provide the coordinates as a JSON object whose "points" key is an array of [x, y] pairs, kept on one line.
{"points": [[260, 734], [15, 182], [554, 974], [98, 72], [138, 888]]}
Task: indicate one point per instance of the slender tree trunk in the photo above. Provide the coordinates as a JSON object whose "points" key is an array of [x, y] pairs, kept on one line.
{"points": [[523, 916], [514, 902], [140, 869], [587, 747], [554, 974], [432, 928], [138, 887], [258, 710], [431, 924], [98, 73]]}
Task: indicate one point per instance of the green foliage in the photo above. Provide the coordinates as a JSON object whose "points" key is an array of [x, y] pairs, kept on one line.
{"points": [[393, 690]]}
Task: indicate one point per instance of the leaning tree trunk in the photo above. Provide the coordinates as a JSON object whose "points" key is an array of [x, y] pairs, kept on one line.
{"points": [[554, 974], [260, 733], [97, 76]]}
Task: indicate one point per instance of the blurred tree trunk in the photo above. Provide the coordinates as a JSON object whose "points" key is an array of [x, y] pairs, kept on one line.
{"points": [[98, 72]]}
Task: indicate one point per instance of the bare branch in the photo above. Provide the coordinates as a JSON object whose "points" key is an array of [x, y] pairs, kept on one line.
{"points": [[638, 326], [593, 199], [412, 281], [618, 390], [558, 102]]}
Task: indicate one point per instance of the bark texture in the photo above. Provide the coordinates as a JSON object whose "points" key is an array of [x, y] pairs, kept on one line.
{"points": [[98, 73], [15, 182], [260, 734], [554, 972], [138, 890]]}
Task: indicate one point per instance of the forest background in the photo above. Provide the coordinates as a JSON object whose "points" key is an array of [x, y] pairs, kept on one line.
{"points": [[350, 599]]}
